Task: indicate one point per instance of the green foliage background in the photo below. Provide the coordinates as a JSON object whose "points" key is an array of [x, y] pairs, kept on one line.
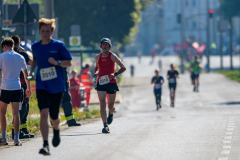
{"points": [[230, 8], [106, 18]]}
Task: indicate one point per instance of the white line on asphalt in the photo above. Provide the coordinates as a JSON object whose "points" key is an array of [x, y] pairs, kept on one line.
{"points": [[229, 129], [229, 133], [228, 137], [225, 152], [227, 141], [223, 158], [227, 147]]}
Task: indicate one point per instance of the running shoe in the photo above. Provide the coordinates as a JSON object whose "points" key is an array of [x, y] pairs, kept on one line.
{"points": [[56, 138], [44, 151], [194, 89], [17, 143], [74, 124], [109, 118], [3, 142], [105, 129]]}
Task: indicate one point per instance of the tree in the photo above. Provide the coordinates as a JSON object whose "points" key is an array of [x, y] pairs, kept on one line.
{"points": [[230, 9], [106, 18]]}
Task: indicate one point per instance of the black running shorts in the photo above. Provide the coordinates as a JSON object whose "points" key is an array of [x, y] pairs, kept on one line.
{"points": [[8, 96], [49, 100], [194, 76], [172, 86], [110, 88]]}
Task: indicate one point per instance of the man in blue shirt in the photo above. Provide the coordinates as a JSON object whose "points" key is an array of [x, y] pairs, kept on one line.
{"points": [[49, 55], [157, 80]]}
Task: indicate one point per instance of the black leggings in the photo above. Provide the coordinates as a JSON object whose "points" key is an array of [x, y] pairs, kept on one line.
{"points": [[158, 94]]}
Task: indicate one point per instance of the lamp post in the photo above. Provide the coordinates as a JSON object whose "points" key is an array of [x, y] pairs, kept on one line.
{"points": [[182, 37]]}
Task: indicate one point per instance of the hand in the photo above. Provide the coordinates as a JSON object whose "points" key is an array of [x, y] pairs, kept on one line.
{"points": [[31, 74], [52, 61], [28, 92], [111, 76]]}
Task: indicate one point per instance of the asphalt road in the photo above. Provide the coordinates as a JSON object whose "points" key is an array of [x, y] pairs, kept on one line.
{"points": [[202, 126]]}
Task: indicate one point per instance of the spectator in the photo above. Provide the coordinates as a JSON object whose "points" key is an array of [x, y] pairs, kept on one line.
{"points": [[75, 91]]}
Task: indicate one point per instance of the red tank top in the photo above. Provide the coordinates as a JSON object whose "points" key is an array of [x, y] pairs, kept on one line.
{"points": [[106, 66]]}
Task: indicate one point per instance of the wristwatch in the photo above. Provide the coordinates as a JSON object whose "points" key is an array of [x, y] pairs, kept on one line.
{"points": [[59, 62]]}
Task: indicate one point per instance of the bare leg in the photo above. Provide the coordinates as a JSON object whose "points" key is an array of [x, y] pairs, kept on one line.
{"points": [[111, 101], [16, 117], [102, 100], [44, 123], [55, 123], [3, 109]]}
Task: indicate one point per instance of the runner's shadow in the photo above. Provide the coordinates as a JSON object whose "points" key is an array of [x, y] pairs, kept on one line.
{"points": [[229, 103], [80, 134]]}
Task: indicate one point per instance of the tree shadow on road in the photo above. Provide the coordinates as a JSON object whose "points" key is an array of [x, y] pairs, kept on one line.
{"points": [[81, 134], [229, 103]]}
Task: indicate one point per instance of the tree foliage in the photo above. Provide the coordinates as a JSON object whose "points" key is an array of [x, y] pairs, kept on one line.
{"points": [[230, 8], [115, 19]]}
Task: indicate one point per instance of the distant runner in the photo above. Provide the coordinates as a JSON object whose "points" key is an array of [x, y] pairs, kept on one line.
{"points": [[157, 80], [172, 76], [195, 69]]}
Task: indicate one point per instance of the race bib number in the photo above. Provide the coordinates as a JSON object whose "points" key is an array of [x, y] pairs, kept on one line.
{"points": [[157, 86], [171, 80], [104, 80], [48, 73]]}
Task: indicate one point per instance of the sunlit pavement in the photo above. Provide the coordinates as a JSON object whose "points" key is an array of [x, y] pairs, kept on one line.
{"points": [[202, 126]]}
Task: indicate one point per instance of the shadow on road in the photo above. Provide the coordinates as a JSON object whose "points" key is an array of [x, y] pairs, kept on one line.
{"points": [[81, 134], [229, 103]]}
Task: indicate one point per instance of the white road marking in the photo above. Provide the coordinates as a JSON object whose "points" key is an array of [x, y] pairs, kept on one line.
{"points": [[223, 158], [225, 152]]}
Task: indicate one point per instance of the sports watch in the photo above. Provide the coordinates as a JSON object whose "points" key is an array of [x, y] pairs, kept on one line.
{"points": [[59, 62]]}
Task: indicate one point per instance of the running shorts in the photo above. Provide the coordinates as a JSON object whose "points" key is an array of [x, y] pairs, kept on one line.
{"points": [[8, 96], [194, 76], [172, 86], [110, 88], [49, 100]]}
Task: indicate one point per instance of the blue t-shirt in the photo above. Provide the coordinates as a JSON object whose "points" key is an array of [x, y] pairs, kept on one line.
{"points": [[50, 77], [158, 84]]}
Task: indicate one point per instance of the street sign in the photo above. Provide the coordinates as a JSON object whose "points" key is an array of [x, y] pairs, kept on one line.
{"points": [[25, 9], [74, 42]]}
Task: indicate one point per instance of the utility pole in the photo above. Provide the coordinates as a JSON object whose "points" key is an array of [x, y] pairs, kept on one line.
{"points": [[48, 8], [182, 37], [231, 42], [208, 37]]}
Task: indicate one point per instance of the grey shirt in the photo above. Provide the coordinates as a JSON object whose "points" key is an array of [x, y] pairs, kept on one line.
{"points": [[11, 64]]}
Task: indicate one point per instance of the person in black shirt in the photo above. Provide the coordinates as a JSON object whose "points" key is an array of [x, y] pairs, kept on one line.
{"points": [[172, 76], [157, 80], [24, 109]]}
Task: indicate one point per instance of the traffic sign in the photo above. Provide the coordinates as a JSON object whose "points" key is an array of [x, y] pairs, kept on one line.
{"points": [[25, 9], [74, 41]]}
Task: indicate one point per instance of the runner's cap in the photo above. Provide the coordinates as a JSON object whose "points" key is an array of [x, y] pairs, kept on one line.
{"points": [[107, 40]]}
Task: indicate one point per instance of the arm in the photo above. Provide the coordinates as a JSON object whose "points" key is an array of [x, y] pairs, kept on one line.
{"points": [[64, 63], [96, 68], [28, 90], [33, 66], [121, 65]]}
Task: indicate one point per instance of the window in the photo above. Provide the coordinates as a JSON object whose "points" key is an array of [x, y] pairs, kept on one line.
{"points": [[194, 25]]}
